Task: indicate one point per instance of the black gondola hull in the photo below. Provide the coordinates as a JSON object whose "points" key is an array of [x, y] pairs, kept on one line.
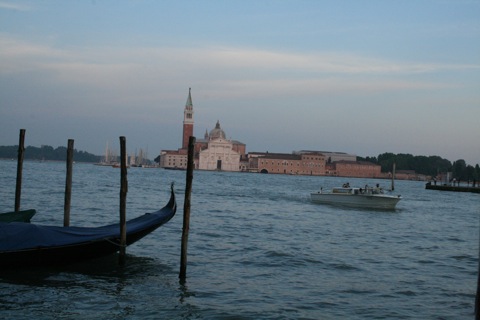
{"points": [[45, 255]]}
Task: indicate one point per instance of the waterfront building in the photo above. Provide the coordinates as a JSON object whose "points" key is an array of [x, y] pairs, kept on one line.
{"points": [[410, 175], [358, 169], [331, 156], [174, 159], [285, 163]]}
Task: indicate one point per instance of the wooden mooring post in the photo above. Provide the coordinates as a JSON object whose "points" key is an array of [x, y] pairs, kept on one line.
{"points": [[21, 151], [68, 184], [123, 200], [477, 296], [393, 176], [186, 208]]}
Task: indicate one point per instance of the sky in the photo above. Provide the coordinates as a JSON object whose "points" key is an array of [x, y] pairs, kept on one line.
{"points": [[361, 77]]}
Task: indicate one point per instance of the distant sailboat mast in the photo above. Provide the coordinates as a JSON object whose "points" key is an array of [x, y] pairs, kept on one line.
{"points": [[106, 160]]}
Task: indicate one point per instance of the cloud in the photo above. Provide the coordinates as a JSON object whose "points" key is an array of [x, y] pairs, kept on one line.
{"points": [[14, 6], [329, 62], [133, 73]]}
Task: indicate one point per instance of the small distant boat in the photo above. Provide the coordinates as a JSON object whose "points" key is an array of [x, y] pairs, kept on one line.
{"points": [[118, 165], [373, 198], [175, 168], [27, 245], [17, 216], [109, 160], [104, 164]]}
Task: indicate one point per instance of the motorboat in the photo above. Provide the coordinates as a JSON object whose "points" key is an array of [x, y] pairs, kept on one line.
{"points": [[367, 197]]}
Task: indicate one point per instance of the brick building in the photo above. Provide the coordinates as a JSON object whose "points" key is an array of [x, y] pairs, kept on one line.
{"points": [[285, 163], [331, 156], [358, 169]]}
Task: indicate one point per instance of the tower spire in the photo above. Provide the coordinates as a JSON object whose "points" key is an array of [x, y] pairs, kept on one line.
{"points": [[187, 120], [189, 99]]}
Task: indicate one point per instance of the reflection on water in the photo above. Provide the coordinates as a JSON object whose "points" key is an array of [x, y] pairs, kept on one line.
{"points": [[93, 288]]}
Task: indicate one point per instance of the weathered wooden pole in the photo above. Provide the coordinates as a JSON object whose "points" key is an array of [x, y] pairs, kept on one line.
{"points": [[477, 297], [186, 208], [68, 184], [393, 176], [123, 200], [18, 188]]}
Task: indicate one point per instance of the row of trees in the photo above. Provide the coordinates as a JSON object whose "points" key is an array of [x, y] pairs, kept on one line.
{"points": [[462, 171], [47, 153], [430, 166]]}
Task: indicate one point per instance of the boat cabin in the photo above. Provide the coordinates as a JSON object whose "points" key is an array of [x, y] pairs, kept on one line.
{"points": [[345, 190], [351, 190]]}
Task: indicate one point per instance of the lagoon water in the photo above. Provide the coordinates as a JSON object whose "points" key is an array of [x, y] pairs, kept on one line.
{"points": [[258, 249]]}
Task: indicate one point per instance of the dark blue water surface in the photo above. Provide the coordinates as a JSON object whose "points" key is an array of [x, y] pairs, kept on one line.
{"points": [[258, 249]]}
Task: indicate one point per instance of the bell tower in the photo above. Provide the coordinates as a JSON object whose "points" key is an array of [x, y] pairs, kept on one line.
{"points": [[187, 120]]}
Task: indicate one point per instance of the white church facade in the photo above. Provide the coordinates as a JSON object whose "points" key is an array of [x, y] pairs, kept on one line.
{"points": [[217, 153]]}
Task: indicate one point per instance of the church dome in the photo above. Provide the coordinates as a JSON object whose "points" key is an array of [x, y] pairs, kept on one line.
{"points": [[217, 133]]}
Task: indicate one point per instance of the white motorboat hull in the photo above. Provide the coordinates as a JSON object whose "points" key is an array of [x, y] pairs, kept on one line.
{"points": [[373, 201]]}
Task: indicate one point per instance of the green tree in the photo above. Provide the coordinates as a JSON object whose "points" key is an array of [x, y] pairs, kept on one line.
{"points": [[47, 153], [469, 173], [459, 170], [431, 165]]}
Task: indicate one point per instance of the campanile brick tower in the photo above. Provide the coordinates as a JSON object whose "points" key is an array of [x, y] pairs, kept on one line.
{"points": [[187, 120]]}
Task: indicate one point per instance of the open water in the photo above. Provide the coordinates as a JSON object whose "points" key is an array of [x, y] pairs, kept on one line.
{"points": [[258, 249]]}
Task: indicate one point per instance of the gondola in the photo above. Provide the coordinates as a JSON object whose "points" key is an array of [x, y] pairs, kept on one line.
{"points": [[28, 245], [17, 216]]}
